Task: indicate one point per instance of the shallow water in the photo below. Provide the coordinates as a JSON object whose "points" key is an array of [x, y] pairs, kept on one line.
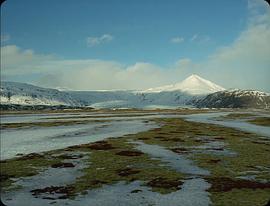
{"points": [[176, 161], [18, 118], [47, 178], [237, 124], [45, 117], [193, 192], [213, 147], [27, 141]]}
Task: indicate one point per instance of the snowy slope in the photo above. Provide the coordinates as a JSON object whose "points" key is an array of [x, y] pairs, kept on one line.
{"points": [[193, 85], [192, 92], [26, 94], [183, 93]]}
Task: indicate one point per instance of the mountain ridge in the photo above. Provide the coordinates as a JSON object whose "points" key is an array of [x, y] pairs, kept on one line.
{"points": [[194, 91]]}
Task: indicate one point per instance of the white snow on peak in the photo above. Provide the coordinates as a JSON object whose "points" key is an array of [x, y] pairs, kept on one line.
{"points": [[194, 85]]}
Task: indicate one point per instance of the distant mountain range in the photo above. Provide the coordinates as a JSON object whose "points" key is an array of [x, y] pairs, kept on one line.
{"points": [[192, 92]]}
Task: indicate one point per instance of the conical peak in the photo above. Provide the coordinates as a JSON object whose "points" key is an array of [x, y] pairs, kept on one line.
{"points": [[194, 77], [194, 84], [198, 85]]}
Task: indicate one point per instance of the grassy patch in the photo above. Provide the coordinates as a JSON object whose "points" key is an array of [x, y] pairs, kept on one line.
{"points": [[235, 116], [123, 163], [251, 152], [262, 121], [236, 197], [29, 165], [47, 124]]}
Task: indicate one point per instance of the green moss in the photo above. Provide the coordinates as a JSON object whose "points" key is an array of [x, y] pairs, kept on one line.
{"points": [[46, 124], [105, 166], [262, 121], [251, 151], [28, 165], [238, 197], [233, 116]]}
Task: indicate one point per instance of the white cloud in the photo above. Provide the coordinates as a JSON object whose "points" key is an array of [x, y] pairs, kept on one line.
{"points": [[96, 74], [87, 74], [5, 38], [177, 40], [259, 12], [17, 61], [196, 38], [93, 41]]}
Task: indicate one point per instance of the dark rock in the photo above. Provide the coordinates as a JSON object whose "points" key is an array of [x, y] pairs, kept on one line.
{"points": [[165, 183], [53, 190], [129, 153], [31, 156], [135, 191], [179, 150], [225, 184], [62, 165], [101, 145], [214, 161]]}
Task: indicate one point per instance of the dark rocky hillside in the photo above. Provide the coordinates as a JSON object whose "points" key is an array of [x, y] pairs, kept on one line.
{"points": [[236, 99]]}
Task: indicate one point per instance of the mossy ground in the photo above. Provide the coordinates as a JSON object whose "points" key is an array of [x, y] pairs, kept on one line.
{"points": [[236, 197], [106, 166], [249, 117], [103, 111], [262, 121], [47, 124], [235, 116], [28, 165], [88, 117]]}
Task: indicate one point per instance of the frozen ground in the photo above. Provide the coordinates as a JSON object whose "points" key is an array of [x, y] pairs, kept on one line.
{"points": [[237, 124], [25, 141], [176, 161], [193, 192], [18, 118], [51, 177], [121, 194], [29, 140]]}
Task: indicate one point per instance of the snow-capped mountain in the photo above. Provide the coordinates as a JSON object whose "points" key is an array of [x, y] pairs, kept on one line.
{"points": [[194, 85], [192, 92], [180, 94]]}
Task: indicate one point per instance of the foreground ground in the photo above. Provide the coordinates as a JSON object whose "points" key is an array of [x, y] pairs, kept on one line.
{"points": [[169, 160]]}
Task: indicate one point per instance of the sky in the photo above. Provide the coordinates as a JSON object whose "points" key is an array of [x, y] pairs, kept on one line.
{"points": [[127, 44]]}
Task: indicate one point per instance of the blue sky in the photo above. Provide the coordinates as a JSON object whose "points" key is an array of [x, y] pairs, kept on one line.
{"points": [[129, 39]]}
